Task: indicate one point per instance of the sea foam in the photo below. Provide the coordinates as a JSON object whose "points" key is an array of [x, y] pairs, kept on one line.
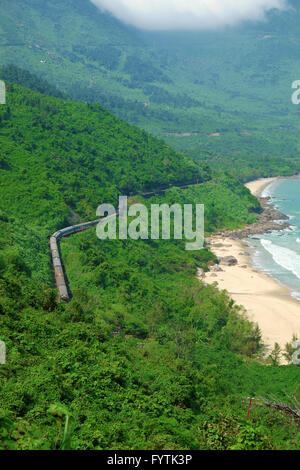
{"points": [[284, 257], [296, 295]]}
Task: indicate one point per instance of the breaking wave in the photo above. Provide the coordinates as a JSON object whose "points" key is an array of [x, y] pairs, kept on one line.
{"points": [[284, 257]]}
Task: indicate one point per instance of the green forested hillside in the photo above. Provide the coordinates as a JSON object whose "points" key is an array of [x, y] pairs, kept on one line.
{"points": [[224, 97], [86, 154], [145, 355], [60, 160], [11, 73]]}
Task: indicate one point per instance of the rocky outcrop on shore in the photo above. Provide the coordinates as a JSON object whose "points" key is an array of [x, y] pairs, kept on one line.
{"points": [[228, 261], [268, 221]]}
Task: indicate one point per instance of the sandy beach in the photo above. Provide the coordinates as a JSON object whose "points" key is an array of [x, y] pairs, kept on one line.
{"points": [[267, 302], [256, 187]]}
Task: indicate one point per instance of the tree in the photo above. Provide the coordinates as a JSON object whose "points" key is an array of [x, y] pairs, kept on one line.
{"points": [[290, 349], [274, 357]]}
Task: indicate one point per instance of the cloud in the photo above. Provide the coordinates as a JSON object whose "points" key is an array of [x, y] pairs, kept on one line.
{"points": [[188, 14]]}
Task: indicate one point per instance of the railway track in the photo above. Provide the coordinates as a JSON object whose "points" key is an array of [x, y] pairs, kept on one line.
{"points": [[59, 273]]}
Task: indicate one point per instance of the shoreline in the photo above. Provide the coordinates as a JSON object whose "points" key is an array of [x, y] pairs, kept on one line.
{"points": [[257, 186], [267, 218], [267, 302]]}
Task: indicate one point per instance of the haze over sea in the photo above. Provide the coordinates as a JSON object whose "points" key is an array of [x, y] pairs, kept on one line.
{"points": [[278, 253]]}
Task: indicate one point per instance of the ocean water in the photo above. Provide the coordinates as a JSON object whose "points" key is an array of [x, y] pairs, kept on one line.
{"points": [[278, 253]]}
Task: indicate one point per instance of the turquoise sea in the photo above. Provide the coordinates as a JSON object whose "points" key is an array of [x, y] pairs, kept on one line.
{"points": [[278, 254]]}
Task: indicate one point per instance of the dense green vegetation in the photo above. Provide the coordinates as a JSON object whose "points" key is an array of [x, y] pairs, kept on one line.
{"points": [[145, 355], [86, 155], [224, 97], [227, 204], [11, 73]]}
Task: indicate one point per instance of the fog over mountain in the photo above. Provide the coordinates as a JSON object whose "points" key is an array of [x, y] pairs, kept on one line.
{"points": [[188, 14]]}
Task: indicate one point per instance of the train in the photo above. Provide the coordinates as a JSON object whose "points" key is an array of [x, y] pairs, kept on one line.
{"points": [[59, 274]]}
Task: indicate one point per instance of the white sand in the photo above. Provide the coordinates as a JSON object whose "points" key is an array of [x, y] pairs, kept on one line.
{"points": [[256, 187], [267, 302]]}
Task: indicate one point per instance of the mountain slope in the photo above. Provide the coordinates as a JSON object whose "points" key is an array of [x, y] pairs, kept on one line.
{"points": [[225, 97], [61, 159], [83, 147], [144, 355]]}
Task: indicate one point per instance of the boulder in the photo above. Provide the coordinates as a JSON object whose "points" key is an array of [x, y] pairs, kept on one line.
{"points": [[216, 269], [228, 261]]}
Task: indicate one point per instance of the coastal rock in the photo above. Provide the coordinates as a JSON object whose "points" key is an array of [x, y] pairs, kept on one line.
{"points": [[228, 261], [267, 222]]}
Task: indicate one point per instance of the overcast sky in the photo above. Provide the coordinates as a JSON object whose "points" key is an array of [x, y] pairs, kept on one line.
{"points": [[188, 14]]}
